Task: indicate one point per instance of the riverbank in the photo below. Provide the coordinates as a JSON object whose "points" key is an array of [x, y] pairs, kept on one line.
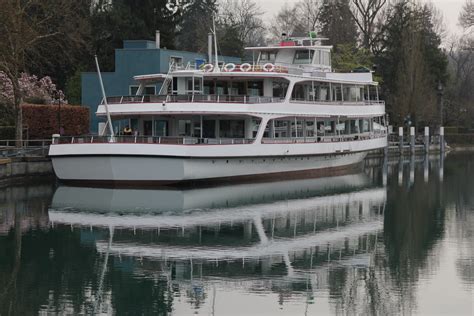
{"points": [[21, 169]]}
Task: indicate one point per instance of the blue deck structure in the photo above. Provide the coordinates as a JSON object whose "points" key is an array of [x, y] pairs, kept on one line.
{"points": [[137, 57]]}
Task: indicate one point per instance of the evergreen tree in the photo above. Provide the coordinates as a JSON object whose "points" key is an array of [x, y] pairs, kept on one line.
{"points": [[336, 22], [196, 25], [412, 64], [126, 19]]}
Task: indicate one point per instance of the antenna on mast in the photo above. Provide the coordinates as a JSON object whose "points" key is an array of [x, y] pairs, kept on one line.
{"points": [[216, 63], [109, 120]]}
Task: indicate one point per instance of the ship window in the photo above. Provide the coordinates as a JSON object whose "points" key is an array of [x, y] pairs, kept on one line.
{"points": [[280, 87], [184, 128], [150, 89], [310, 91], [303, 57], [231, 128], [177, 60], [317, 57], [132, 90], [325, 58], [255, 88], [337, 93], [175, 84], [277, 129], [160, 128], [267, 56], [197, 84]]}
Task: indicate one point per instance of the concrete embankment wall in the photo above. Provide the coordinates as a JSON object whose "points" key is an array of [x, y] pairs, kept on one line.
{"points": [[17, 168]]}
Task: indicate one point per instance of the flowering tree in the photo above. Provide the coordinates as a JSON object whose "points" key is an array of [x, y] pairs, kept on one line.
{"points": [[30, 31], [30, 87]]}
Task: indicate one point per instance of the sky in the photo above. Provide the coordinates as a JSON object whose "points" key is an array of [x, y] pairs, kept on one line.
{"points": [[449, 8]]}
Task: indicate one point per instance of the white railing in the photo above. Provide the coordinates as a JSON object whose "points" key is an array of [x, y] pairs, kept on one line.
{"points": [[165, 140], [211, 98], [364, 102], [186, 98], [324, 139], [180, 140]]}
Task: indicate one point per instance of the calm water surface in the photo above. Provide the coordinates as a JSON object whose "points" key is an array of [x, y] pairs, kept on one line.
{"points": [[396, 238]]}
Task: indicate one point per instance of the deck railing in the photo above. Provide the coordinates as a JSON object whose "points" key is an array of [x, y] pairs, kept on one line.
{"points": [[165, 140], [192, 98], [28, 148], [323, 139], [180, 140], [362, 102], [241, 99]]}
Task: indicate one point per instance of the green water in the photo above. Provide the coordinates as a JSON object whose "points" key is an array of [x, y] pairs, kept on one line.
{"points": [[388, 240]]}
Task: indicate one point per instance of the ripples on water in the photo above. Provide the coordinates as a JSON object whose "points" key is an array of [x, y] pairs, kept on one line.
{"points": [[394, 239]]}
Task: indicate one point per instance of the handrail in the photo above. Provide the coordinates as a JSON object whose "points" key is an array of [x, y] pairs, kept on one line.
{"points": [[323, 139], [166, 140], [212, 98], [362, 102], [184, 140], [192, 98], [25, 142]]}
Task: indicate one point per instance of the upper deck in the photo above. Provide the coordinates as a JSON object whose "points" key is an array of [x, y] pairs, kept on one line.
{"points": [[291, 77], [299, 53]]}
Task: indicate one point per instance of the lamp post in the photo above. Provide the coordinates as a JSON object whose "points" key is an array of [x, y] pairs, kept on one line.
{"points": [[57, 96], [440, 100]]}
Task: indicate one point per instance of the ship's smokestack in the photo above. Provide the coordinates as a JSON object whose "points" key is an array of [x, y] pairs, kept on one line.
{"points": [[157, 39], [209, 47]]}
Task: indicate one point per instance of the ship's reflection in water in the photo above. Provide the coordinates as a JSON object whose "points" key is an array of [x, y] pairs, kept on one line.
{"points": [[364, 243], [279, 237]]}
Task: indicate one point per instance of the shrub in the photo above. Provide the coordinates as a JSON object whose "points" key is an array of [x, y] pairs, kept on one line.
{"points": [[7, 132], [35, 100], [42, 120]]}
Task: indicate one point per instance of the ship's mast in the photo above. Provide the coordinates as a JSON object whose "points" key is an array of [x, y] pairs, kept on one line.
{"points": [[109, 120], [216, 64]]}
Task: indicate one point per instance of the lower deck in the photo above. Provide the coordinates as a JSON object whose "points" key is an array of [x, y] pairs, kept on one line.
{"points": [[235, 129]]}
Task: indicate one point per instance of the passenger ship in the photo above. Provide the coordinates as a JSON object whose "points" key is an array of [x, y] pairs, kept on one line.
{"points": [[284, 113]]}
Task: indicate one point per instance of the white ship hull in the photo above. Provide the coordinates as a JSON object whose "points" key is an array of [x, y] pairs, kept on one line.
{"points": [[163, 169], [116, 163]]}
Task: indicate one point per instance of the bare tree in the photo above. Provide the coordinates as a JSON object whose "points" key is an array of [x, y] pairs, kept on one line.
{"points": [[466, 17], [308, 10], [459, 99], [365, 13], [437, 19], [246, 16], [287, 21], [26, 29]]}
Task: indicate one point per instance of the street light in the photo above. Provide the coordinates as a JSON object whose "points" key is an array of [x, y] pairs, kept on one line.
{"points": [[57, 96], [440, 100]]}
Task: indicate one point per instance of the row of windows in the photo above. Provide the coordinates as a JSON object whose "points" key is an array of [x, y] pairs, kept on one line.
{"points": [[304, 91], [302, 57]]}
